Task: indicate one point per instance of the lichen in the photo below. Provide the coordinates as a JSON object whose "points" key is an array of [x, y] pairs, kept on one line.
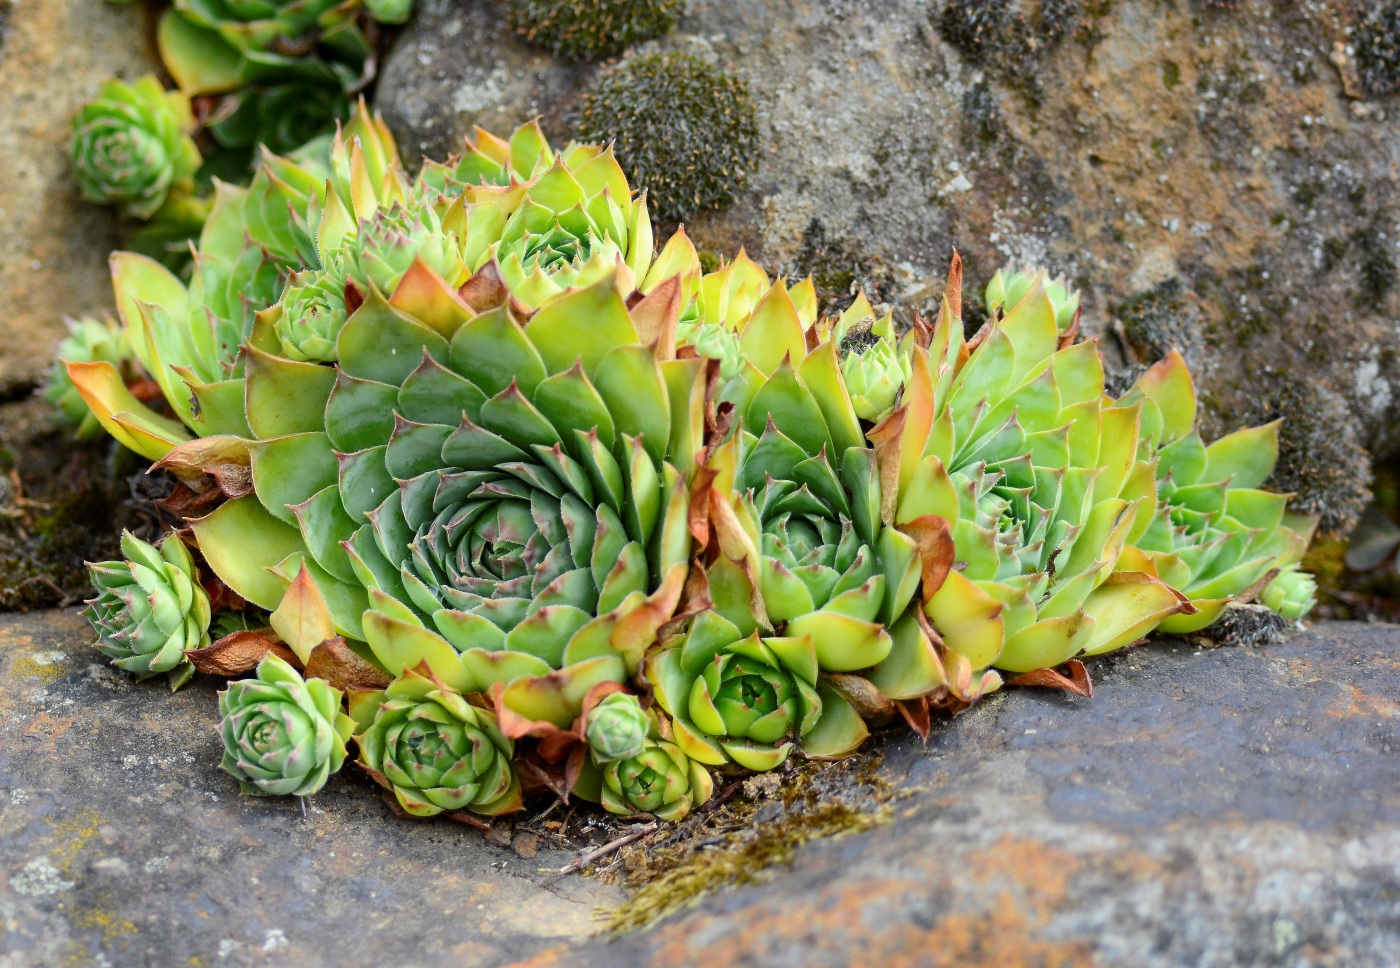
{"points": [[591, 29], [1320, 457], [685, 130]]}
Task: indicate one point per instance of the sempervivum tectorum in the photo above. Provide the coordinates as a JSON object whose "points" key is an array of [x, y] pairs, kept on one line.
{"points": [[519, 485], [1029, 487], [1216, 533]]}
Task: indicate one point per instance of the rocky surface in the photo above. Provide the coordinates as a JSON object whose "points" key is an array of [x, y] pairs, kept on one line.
{"points": [[1229, 807], [1222, 151], [54, 55], [122, 844]]}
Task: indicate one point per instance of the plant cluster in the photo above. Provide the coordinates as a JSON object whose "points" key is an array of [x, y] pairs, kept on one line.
{"points": [[591, 29], [275, 74], [537, 507], [682, 128]]}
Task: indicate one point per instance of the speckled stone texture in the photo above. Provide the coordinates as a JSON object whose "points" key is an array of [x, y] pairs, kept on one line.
{"points": [[122, 844], [1232, 807], [54, 56], [1225, 148]]}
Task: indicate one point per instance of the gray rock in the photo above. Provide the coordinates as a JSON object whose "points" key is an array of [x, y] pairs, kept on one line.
{"points": [[1236, 806], [122, 843], [54, 55], [1149, 143]]}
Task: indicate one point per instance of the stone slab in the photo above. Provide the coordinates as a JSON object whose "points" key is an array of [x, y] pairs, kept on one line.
{"points": [[1230, 807], [122, 844]]}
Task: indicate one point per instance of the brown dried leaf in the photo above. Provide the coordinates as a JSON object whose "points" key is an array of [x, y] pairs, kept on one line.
{"points": [[888, 437], [334, 661], [954, 291], [862, 694], [1077, 682], [935, 543], [526, 844], [354, 297], [239, 653], [485, 290]]}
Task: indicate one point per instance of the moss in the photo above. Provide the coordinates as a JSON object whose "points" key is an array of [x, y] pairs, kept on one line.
{"points": [[1171, 75], [1377, 43], [1377, 270], [981, 30], [1162, 319], [61, 506], [1320, 457], [685, 130], [838, 270], [738, 843], [591, 29], [996, 35]]}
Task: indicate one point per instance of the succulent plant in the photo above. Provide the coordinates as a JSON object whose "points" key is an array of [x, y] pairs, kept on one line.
{"points": [[616, 728], [434, 750], [750, 699], [89, 340], [1006, 290], [517, 485], [131, 146], [660, 780], [217, 46], [1215, 534], [282, 735], [1292, 593], [874, 367], [280, 117], [149, 608], [591, 29], [684, 130], [1025, 487], [390, 11], [189, 338]]}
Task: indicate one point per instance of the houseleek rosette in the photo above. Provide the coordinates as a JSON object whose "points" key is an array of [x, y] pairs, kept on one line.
{"points": [[1029, 487], [215, 46], [149, 608], [282, 735], [131, 146], [1216, 533], [514, 484], [188, 337], [874, 366], [89, 340], [1292, 593], [435, 751], [660, 780], [616, 728], [1008, 288], [811, 584]]}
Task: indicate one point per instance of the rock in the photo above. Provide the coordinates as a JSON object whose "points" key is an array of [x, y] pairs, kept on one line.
{"points": [[54, 55], [1234, 806], [1239, 806], [122, 843], [1130, 145]]}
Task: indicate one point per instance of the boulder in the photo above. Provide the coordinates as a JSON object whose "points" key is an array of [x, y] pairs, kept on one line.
{"points": [[1225, 151]]}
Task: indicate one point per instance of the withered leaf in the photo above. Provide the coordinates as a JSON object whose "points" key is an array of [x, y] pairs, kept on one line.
{"points": [[239, 653], [338, 664]]}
